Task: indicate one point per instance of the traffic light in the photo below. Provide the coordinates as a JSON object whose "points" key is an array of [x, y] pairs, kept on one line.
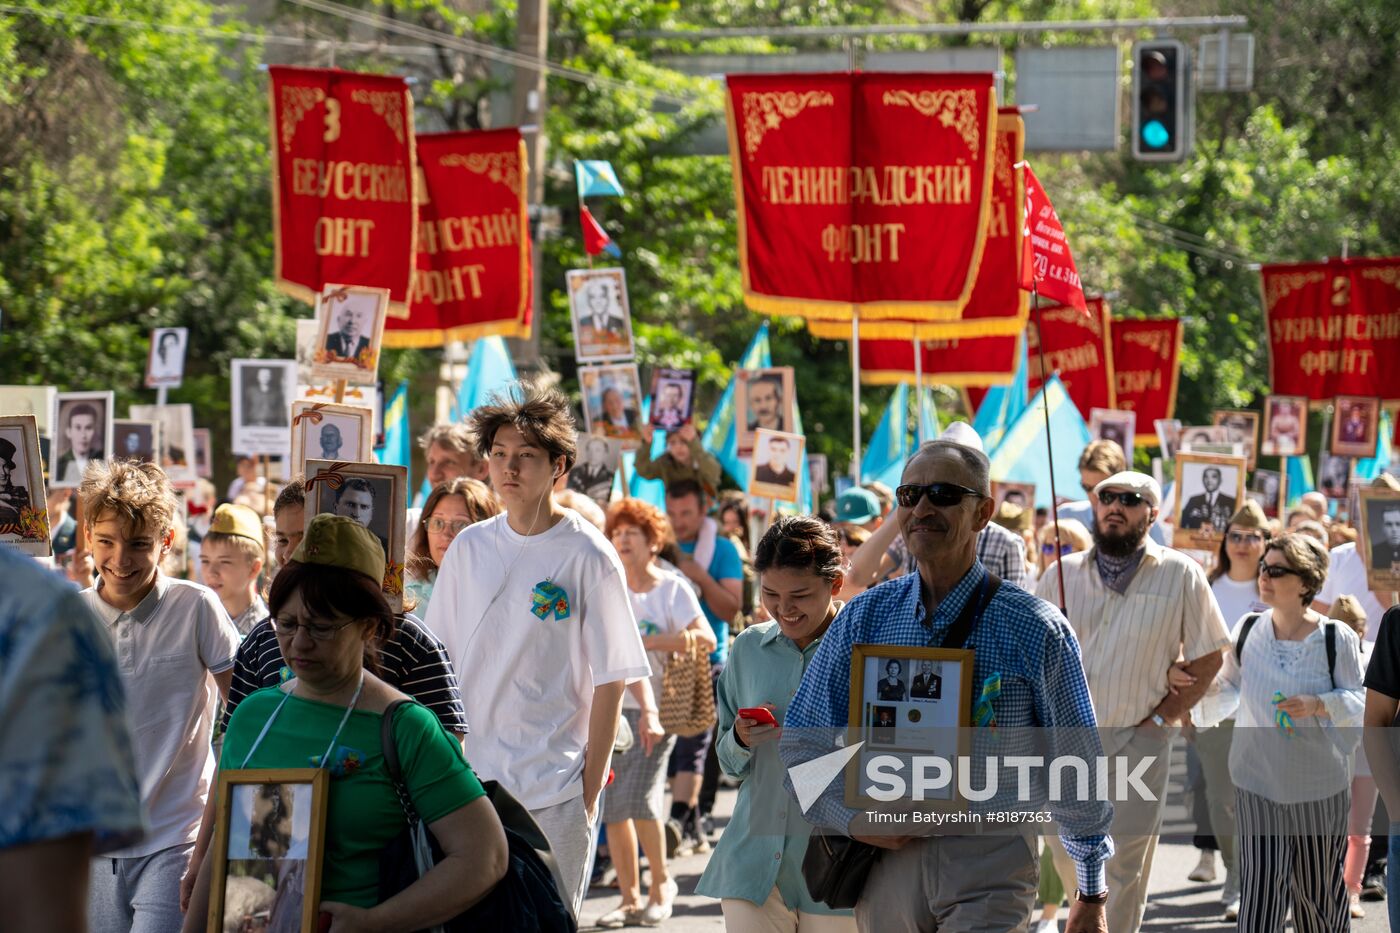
{"points": [[1162, 111]]}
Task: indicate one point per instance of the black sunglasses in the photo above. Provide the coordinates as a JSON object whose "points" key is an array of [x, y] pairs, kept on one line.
{"points": [[1129, 499], [943, 495], [1274, 571]]}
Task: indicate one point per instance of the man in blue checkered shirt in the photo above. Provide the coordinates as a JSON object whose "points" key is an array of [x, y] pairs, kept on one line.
{"points": [[982, 882]]}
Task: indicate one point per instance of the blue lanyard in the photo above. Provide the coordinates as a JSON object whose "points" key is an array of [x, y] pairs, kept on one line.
{"points": [[329, 748]]}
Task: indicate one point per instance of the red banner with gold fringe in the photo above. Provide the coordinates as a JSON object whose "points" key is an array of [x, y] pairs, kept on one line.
{"points": [[1079, 348], [1146, 364]]}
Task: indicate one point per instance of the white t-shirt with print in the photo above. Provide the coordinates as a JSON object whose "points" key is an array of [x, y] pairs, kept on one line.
{"points": [[532, 625], [666, 609]]}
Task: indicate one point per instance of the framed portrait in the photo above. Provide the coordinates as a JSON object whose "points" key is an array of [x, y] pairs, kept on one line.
{"points": [[1241, 427], [1334, 475], [672, 397], [601, 317], [30, 400], [1110, 424], [307, 329], [134, 440], [597, 465], [373, 494], [24, 515], [82, 433], [1168, 436], [764, 398], [910, 701], [368, 396], [1285, 426], [203, 453], [1209, 490], [349, 331], [174, 438], [263, 391], [612, 402], [1378, 536], [1019, 494], [326, 431], [268, 849], [818, 470], [1354, 423], [1269, 489], [165, 362], [775, 471]]}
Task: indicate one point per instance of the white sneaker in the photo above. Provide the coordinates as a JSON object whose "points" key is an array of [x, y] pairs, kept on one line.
{"points": [[1357, 911], [1047, 926], [1205, 868], [653, 915], [1232, 910], [1231, 890]]}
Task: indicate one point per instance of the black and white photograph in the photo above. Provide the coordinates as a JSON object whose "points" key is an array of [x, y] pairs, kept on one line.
{"points": [[1110, 424], [1378, 536], [1209, 439], [165, 365], [1241, 427], [1266, 487], [82, 434], [1285, 426], [764, 398], [326, 431], [928, 682], [134, 440], [307, 331], [1168, 436], [1354, 424], [30, 400], [612, 402], [1209, 488], [776, 465], [819, 471], [1021, 495], [174, 438], [349, 331], [910, 698], [884, 722], [263, 391], [672, 397], [596, 467], [1334, 474], [203, 453], [600, 314], [24, 520], [372, 494]]}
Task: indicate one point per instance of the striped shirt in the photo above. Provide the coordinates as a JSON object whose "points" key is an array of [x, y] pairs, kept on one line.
{"points": [[1130, 640], [414, 662]]}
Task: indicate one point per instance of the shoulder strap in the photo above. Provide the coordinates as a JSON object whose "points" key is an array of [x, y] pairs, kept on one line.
{"points": [[391, 759], [1331, 635], [971, 613], [1244, 633]]}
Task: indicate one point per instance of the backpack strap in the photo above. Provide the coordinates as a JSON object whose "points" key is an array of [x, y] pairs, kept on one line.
{"points": [[971, 614], [391, 759], [1244, 633], [1331, 635]]}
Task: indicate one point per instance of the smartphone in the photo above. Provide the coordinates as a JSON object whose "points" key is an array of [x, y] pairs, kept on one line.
{"points": [[760, 714]]}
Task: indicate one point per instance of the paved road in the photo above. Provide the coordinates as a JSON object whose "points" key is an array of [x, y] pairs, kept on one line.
{"points": [[1175, 904]]}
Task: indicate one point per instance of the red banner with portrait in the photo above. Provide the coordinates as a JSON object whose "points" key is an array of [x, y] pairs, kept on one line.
{"points": [[865, 191], [342, 181], [1079, 348], [472, 277], [1334, 328], [1146, 364]]}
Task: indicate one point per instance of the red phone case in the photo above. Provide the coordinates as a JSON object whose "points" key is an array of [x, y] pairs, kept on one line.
{"points": [[762, 714]]}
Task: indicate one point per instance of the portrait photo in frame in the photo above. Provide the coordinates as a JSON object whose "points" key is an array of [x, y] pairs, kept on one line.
{"points": [[599, 312], [24, 517], [373, 494], [1378, 536], [349, 332], [819, 470], [612, 402], [775, 470], [82, 433], [174, 438], [269, 826], [1241, 427], [30, 400], [1269, 488], [134, 440], [672, 397], [165, 361], [596, 467], [203, 453], [327, 431], [1354, 424], [1334, 474], [1209, 490], [1018, 494], [1111, 424], [1168, 436], [1285, 426], [764, 398], [262, 392]]}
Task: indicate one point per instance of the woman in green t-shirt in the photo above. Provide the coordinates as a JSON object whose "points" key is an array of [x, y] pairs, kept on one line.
{"points": [[329, 614]]}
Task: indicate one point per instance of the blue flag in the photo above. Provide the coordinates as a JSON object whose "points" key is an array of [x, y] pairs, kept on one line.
{"points": [[596, 179], [1300, 480], [720, 438], [489, 370], [398, 439], [648, 490], [1022, 455], [888, 449], [929, 427], [1002, 405], [1371, 467]]}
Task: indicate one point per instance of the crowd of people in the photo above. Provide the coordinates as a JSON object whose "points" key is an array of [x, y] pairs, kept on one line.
{"points": [[561, 670]]}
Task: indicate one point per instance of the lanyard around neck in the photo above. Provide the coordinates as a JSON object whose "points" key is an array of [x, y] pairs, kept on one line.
{"points": [[329, 748]]}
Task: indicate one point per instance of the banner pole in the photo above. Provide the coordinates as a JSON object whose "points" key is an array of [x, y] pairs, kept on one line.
{"points": [[855, 393], [1049, 441], [918, 394]]}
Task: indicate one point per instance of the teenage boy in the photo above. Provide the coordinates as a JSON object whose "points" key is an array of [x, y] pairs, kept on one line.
{"points": [[230, 561], [172, 638], [535, 612]]}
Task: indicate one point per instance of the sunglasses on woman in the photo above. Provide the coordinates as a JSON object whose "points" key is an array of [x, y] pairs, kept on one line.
{"points": [[943, 495], [1274, 571], [1048, 549]]}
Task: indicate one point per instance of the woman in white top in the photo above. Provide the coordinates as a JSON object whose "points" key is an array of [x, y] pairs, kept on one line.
{"points": [[1235, 579], [1290, 760]]}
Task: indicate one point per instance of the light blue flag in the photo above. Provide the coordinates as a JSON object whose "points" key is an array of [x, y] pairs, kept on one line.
{"points": [[489, 370], [1022, 455], [596, 179], [888, 449], [929, 427], [1002, 405], [648, 490], [1371, 467], [1300, 479], [720, 438], [398, 439]]}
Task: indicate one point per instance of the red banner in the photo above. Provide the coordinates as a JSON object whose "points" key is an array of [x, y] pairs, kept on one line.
{"points": [[1146, 364], [862, 190], [1334, 328], [342, 181], [962, 361], [1079, 348], [472, 276], [1046, 260]]}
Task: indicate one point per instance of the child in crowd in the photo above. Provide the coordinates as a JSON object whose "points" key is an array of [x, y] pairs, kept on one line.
{"points": [[230, 561], [684, 458]]}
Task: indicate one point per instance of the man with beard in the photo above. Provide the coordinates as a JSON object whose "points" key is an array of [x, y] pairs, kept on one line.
{"points": [[1137, 607]]}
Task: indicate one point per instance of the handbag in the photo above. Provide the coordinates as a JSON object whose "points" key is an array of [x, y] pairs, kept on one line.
{"points": [[687, 702], [527, 898]]}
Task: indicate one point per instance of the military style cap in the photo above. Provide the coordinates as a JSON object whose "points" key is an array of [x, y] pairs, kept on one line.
{"points": [[337, 541], [231, 519], [1250, 515]]}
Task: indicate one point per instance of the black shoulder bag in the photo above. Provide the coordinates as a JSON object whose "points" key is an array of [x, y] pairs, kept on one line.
{"points": [[836, 867], [527, 898]]}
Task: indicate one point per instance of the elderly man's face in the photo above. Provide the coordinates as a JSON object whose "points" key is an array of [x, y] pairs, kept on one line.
{"points": [[933, 532], [598, 298], [349, 322], [671, 396], [330, 438], [1210, 479], [763, 400], [596, 452]]}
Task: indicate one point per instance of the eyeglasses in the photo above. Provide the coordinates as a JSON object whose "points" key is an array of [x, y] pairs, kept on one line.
{"points": [[1048, 549], [441, 526], [943, 495], [1240, 537], [288, 627], [1129, 499], [1274, 571]]}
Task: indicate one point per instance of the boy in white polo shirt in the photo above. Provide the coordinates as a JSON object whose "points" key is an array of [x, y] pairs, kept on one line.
{"points": [[174, 643], [532, 606]]}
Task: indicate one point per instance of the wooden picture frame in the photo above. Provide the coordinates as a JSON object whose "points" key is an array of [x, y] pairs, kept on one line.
{"points": [[1117, 425], [1201, 514], [625, 423], [777, 483], [923, 716], [165, 360], [670, 417], [1355, 420], [269, 817], [600, 315], [1285, 426], [595, 470], [1378, 536], [350, 354], [1269, 488], [1243, 428], [24, 514], [777, 398], [311, 424], [64, 472], [379, 490]]}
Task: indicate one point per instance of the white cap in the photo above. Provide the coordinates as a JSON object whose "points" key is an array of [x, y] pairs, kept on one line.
{"points": [[1137, 482], [960, 432]]}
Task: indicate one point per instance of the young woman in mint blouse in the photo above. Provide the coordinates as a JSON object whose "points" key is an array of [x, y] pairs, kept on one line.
{"points": [[758, 876]]}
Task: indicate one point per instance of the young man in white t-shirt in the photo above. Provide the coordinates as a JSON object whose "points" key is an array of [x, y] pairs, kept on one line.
{"points": [[533, 608]]}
